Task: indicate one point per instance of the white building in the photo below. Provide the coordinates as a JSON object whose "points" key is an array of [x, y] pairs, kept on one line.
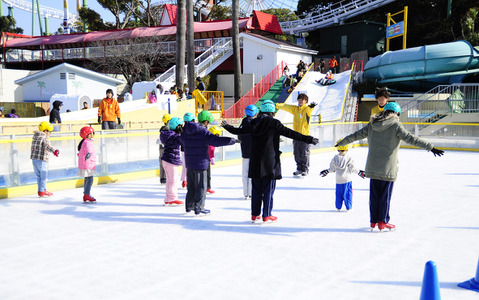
{"points": [[69, 80]]}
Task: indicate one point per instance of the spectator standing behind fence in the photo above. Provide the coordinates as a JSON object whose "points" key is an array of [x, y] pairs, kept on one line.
{"points": [[1, 112], [333, 65], [12, 114], [200, 84], [55, 114], [382, 96], [108, 110], [39, 156], [85, 105]]}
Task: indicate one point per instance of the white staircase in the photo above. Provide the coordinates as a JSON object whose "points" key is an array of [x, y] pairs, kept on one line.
{"points": [[205, 63], [334, 13]]}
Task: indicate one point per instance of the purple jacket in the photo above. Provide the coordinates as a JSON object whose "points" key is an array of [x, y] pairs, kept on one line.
{"points": [[196, 138], [172, 143]]}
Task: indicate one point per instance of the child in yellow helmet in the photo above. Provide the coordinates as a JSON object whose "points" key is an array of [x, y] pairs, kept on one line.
{"points": [[39, 156], [344, 167]]}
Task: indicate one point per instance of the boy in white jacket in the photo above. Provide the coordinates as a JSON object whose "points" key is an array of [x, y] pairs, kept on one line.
{"points": [[344, 167]]}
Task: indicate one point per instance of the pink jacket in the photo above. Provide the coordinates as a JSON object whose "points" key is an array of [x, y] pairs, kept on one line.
{"points": [[90, 163], [211, 151]]}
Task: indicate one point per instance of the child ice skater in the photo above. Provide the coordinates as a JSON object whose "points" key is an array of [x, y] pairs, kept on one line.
{"points": [[195, 139], [87, 162], [39, 156], [344, 167], [385, 133], [166, 118], [188, 117], [301, 123], [250, 113], [265, 163], [171, 159]]}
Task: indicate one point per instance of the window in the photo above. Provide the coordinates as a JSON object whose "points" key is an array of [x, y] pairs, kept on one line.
{"points": [[71, 76], [63, 76]]}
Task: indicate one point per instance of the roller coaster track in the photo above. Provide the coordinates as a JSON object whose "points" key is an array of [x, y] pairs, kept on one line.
{"points": [[44, 11], [334, 13]]}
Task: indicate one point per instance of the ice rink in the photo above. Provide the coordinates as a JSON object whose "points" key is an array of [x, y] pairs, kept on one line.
{"points": [[130, 246]]}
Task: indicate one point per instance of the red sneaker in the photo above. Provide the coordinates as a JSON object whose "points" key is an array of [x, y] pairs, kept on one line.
{"points": [[255, 219], [48, 194], [270, 219], [382, 225], [183, 184], [41, 194], [173, 203], [210, 191], [88, 199]]}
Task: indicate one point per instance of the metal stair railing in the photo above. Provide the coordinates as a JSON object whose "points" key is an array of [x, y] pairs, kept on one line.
{"points": [[441, 101], [204, 62], [331, 14]]}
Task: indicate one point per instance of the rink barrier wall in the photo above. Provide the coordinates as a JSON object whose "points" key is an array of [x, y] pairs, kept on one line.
{"points": [[134, 154]]}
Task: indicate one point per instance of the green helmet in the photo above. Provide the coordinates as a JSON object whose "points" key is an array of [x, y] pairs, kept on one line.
{"points": [[205, 116], [175, 122]]}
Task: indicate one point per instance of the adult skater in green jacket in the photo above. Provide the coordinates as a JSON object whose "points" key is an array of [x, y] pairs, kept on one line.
{"points": [[384, 133]]}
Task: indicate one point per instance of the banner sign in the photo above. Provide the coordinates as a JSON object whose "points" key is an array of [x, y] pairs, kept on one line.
{"points": [[395, 30]]}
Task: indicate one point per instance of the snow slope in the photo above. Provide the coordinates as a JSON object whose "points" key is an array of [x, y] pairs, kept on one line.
{"points": [[130, 246]]}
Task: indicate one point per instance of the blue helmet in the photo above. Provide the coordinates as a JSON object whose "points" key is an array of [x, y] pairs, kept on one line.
{"points": [[188, 117], [251, 110], [175, 122], [393, 106], [268, 106]]}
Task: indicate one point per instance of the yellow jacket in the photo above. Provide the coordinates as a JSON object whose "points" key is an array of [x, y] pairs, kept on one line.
{"points": [[302, 116], [376, 110], [108, 109]]}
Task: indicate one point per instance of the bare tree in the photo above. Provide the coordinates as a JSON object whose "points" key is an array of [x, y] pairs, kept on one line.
{"points": [[133, 58], [190, 37], [180, 43], [236, 51]]}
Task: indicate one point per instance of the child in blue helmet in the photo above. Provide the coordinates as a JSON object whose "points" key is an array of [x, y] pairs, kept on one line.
{"points": [[196, 138], [384, 133], [250, 112], [171, 159], [188, 117], [265, 164]]}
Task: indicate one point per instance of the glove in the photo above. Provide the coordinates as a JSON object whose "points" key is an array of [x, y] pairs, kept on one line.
{"points": [[56, 152], [119, 121], [224, 123], [315, 141], [323, 173], [437, 152], [87, 156], [99, 119], [313, 104], [212, 161], [362, 174]]}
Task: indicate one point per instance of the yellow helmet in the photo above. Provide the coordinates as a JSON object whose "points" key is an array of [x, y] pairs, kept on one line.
{"points": [[166, 118], [342, 148], [45, 126], [215, 130]]}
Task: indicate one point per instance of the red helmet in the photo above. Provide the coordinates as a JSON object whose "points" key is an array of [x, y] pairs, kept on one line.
{"points": [[85, 131]]}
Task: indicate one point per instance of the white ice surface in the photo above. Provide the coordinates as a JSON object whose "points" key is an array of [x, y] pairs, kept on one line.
{"points": [[130, 246]]}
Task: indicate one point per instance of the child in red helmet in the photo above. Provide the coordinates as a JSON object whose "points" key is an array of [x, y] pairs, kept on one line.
{"points": [[87, 161]]}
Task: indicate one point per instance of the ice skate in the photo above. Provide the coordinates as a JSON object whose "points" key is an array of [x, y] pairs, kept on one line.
{"points": [[210, 191], [41, 194], [297, 173], [173, 203], [202, 213], [270, 219], [382, 225], [88, 199], [304, 173], [48, 194], [163, 180], [190, 213], [247, 198], [183, 184], [255, 219], [373, 225]]}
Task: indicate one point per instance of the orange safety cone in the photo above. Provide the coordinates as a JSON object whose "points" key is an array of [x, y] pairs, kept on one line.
{"points": [[430, 283], [473, 283]]}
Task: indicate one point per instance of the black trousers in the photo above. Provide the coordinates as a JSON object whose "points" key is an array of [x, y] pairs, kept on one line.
{"points": [[108, 125], [380, 192], [262, 194], [301, 152], [196, 194]]}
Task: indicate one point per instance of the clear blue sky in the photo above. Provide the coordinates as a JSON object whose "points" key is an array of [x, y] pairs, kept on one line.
{"points": [[24, 18]]}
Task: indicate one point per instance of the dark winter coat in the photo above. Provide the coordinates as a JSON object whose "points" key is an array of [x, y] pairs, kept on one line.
{"points": [[55, 113], [265, 155], [171, 141], [195, 139]]}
